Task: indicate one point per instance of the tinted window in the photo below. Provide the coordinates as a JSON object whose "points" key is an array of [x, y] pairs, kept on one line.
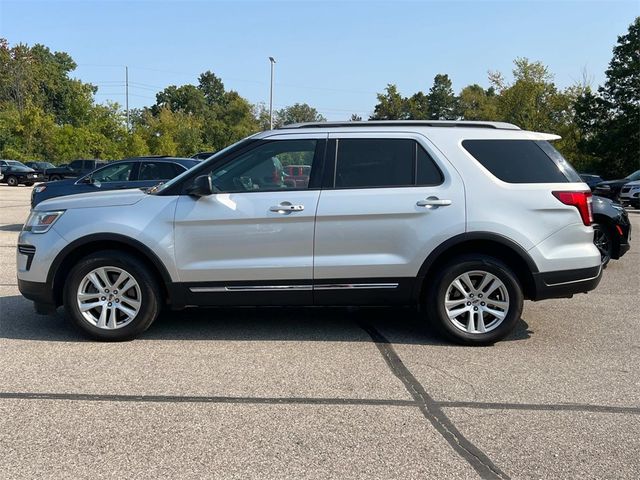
{"points": [[118, 172], [427, 172], [263, 168], [374, 163], [76, 164], [158, 171], [518, 161]]}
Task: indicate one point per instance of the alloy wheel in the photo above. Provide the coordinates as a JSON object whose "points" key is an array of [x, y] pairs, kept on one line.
{"points": [[476, 302], [109, 297]]}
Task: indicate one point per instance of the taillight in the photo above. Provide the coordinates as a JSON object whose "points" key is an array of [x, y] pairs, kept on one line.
{"points": [[581, 200]]}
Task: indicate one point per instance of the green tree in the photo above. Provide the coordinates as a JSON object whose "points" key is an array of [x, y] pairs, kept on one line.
{"points": [[297, 113], [212, 87], [186, 99], [476, 103], [609, 120], [441, 101], [391, 105]]}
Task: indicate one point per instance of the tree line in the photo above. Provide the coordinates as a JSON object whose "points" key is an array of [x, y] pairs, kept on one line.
{"points": [[47, 114]]}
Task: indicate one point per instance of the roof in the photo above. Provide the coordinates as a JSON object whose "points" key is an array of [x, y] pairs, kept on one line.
{"points": [[401, 123]]}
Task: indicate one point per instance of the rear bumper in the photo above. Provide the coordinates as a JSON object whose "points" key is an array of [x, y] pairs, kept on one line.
{"points": [[565, 283]]}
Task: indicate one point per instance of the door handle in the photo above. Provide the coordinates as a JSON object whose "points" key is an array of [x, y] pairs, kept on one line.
{"points": [[286, 207], [433, 202]]}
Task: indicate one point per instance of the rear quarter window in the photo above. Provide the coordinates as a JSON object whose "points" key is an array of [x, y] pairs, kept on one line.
{"points": [[522, 161]]}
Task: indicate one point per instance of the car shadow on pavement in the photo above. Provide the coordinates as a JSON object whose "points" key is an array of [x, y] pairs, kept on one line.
{"points": [[13, 227], [335, 324]]}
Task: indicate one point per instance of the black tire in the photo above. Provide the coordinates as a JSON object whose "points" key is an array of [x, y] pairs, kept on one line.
{"points": [[603, 238], [12, 181], [29, 184], [150, 294], [437, 291], [54, 178]]}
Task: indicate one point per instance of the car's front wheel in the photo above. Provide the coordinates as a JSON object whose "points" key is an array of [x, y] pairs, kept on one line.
{"points": [[12, 181], [474, 300], [111, 296]]}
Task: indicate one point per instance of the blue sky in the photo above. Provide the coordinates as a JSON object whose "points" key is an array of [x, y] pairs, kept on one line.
{"points": [[333, 55]]}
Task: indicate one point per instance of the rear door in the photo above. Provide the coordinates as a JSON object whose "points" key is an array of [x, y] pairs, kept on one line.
{"points": [[388, 200], [152, 172]]}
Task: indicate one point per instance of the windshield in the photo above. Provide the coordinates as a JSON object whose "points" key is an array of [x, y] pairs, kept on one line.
{"points": [[162, 186], [16, 163], [634, 176]]}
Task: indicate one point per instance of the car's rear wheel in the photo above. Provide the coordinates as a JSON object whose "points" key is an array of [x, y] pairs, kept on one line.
{"points": [[29, 184], [475, 300], [12, 181], [603, 239], [112, 296], [53, 178]]}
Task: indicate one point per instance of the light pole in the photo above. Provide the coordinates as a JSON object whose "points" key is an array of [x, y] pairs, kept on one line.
{"points": [[272, 61]]}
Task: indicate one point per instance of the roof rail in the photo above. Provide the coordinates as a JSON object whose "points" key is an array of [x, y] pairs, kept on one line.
{"points": [[403, 123]]}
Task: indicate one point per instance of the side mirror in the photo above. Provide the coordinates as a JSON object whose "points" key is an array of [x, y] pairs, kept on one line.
{"points": [[201, 186]]}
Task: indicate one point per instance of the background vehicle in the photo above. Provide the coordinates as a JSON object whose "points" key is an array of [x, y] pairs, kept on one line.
{"points": [[41, 168], [142, 172], [394, 213], [630, 194], [591, 180], [75, 169], [297, 175], [15, 173], [612, 229], [611, 188], [202, 155]]}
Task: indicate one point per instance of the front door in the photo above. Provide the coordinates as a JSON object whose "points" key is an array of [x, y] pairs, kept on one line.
{"points": [[251, 242]]}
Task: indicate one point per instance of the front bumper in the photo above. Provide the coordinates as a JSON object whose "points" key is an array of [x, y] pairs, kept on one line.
{"points": [[566, 283], [40, 293]]}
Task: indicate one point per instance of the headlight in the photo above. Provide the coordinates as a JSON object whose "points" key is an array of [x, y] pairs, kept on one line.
{"points": [[40, 188], [41, 222]]}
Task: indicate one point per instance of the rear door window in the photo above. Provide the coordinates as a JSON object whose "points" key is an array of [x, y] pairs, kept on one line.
{"points": [[522, 161], [383, 162]]}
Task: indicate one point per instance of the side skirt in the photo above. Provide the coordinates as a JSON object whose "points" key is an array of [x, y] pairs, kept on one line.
{"points": [[343, 291]]}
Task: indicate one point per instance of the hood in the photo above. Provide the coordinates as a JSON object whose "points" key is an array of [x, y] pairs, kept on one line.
{"points": [[109, 198], [620, 181], [60, 183], [635, 183]]}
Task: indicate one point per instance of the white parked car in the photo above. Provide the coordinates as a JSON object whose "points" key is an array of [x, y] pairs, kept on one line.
{"points": [[630, 194], [464, 219]]}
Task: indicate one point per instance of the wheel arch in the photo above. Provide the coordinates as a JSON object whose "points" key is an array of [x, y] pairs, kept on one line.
{"points": [[504, 249], [66, 259]]}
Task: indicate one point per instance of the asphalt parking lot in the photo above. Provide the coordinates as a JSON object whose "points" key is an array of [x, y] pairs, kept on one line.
{"points": [[321, 393]]}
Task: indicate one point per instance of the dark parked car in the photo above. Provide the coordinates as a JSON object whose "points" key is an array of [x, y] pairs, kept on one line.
{"points": [[142, 172], [591, 180], [75, 169], [612, 228], [611, 188], [202, 155], [41, 167], [14, 173]]}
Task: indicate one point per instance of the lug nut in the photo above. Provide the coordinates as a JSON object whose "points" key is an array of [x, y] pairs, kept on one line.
{"points": [[115, 292], [103, 298], [471, 295], [117, 300], [109, 304], [468, 303], [482, 303], [475, 309], [106, 290], [480, 295]]}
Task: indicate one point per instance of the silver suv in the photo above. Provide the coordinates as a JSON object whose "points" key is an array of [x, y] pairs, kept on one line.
{"points": [[464, 219]]}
